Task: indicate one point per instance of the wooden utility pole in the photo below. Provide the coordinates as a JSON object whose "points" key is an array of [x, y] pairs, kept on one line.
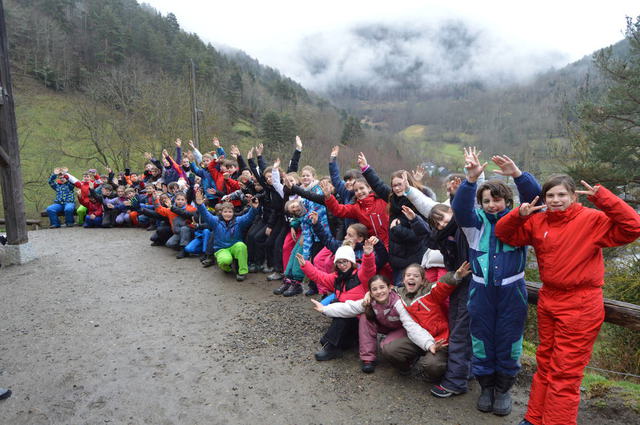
{"points": [[10, 174], [195, 125]]}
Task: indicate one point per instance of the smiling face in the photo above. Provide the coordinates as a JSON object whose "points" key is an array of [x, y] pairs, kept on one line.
{"points": [[559, 198], [352, 236], [343, 265], [398, 186], [227, 214], [361, 190], [120, 192], [295, 209], [185, 161], [306, 177], [348, 184], [490, 204], [413, 280], [268, 177], [379, 291]]}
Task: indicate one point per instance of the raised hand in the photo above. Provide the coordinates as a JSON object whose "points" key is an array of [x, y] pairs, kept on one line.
{"points": [[255, 203], [325, 186], [507, 166], [529, 208], [362, 160], [191, 144], [199, 197], [472, 164], [148, 156], [259, 149], [313, 216], [368, 246], [298, 143], [301, 260], [418, 173], [591, 190], [56, 170], [250, 153], [234, 151], [394, 223], [374, 240], [64, 170], [165, 153], [453, 185], [178, 142], [317, 306], [335, 151], [216, 142], [463, 271], [277, 163], [408, 212]]}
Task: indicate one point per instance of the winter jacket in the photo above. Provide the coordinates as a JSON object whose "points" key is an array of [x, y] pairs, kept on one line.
{"points": [[225, 186], [429, 309], [370, 211], [355, 287], [64, 192], [93, 207], [569, 243], [308, 235], [492, 261], [171, 214], [226, 234], [392, 315]]}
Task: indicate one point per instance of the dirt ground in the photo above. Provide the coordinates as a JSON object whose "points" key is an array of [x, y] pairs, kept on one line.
{"points": [[103, 328]]}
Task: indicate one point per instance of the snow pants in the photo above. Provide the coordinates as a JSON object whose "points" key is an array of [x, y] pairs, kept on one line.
{"points": [[568, 324], [95, 222], [459, 362], [237, 251], [498, 314], [82, 212], [368, 331], [54, 209]]}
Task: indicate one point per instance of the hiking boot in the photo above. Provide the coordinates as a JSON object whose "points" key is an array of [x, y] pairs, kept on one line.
{"points": [[485, 401], [241, 277], [442, 392], [328, 352], [312, 289], [286, 283], [70, 225], [274, 276], [208, 261], [181, 254], [502, 397], [294, 289], [368, 367], [253, 268]]}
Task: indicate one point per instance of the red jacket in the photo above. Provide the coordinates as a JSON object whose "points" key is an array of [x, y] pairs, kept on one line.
{"points": [[569, 243], [359, 280], [223, 185], [430, 310], [370, 211], [94, 207]]}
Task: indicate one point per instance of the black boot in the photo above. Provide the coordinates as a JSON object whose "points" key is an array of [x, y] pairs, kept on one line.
{"points": [[286, 283], [313, 289], [328, 352], [294, 289], [485, 401], [181, 254], [502, 401]]}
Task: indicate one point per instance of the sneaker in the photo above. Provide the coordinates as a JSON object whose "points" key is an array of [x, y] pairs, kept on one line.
{"points": [[274, 276], [294, 289], [266, 269], [54, 227], [253, 268], [241, 277], [286, 283], [312, 289], [209, 261], [70, 225], [328, 352], [181, 254], [368, 367], [4, 393], [442, 392], [156, 243]]}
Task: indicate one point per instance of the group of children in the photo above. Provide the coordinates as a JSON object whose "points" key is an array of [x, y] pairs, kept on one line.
{"points": [[442, 281]]}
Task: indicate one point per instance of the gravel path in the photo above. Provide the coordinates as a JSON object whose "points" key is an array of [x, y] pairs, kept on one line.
{"points": [[103, 328]]}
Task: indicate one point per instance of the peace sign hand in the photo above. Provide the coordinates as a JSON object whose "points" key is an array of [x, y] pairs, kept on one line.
{"points": [[591, 190], [529, 208]]}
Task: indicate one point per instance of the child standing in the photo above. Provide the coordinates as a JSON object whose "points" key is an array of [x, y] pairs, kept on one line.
{"points": [[568, 239]]}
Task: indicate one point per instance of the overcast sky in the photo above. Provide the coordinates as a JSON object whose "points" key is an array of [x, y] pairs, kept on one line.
{"points": [[281, 33]]}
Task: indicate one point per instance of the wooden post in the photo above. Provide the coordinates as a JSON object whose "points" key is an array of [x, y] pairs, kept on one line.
{"points": [[195, 124], [10, 174]]}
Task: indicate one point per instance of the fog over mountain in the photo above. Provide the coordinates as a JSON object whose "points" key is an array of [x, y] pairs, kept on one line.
{"points": [[415, 56]]}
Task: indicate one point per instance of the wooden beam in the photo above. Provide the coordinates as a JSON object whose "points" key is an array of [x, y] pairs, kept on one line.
{"points": [[4, 158], [10, 174], [617, 312]]}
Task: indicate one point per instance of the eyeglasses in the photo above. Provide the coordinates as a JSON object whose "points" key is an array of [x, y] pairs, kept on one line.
{"points": [[342, 261]]}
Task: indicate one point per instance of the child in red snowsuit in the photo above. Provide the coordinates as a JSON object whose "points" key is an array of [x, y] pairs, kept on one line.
{"points": [[568, 239]]}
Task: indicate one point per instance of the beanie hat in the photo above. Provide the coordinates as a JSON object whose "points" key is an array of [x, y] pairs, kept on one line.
{"points": [[345, 252]]}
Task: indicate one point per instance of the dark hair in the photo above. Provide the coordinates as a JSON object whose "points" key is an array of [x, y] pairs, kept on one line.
{"points": [[363, 181], [415, 266], [437, 213], [497, 190], [352, 174], [368, 310], [107, 186], [557, 180], [360, 229]]}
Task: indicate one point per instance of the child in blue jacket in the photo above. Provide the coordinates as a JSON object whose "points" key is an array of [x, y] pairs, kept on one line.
{"points": [[228, 232], [497, 293], [65, 198]]}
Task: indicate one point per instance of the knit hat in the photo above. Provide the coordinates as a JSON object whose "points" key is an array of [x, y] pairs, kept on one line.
{"points": [[345, 253]]}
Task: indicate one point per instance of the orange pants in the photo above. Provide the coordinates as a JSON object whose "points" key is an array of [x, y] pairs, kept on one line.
{"points": [[568, 324]]}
